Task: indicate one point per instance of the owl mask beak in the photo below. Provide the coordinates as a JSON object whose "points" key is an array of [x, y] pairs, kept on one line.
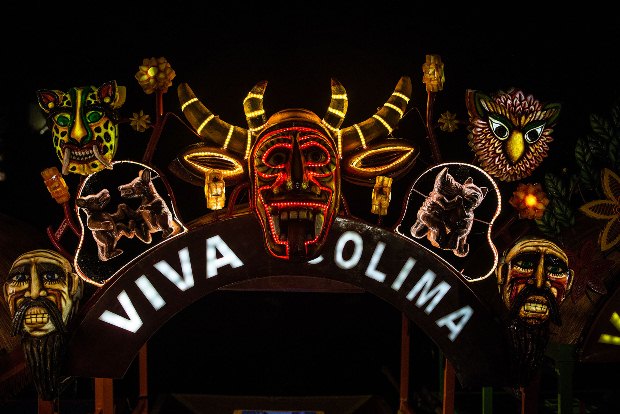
{"points": [[515, 146]]}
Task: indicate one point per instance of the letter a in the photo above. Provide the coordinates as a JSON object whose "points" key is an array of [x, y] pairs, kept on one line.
{"points": [[450, 321], [228, 256]]}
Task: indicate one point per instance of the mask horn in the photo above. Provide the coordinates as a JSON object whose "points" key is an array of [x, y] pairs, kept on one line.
{"points": [[337, 107], [207, 125], [381, 123], [253, 108]]}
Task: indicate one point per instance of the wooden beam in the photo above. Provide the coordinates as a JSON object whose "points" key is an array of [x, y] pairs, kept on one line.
{"points": [[448, 388], [104, 396]]}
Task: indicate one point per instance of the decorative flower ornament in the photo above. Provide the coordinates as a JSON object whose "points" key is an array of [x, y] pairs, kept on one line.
{"points": [[608, 209], [448, 122], [530, 201], [155, 74], [433, 77], [140, 121]]}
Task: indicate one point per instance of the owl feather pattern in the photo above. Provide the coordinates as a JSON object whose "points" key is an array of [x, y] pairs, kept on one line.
{"points": [[509, 132]]}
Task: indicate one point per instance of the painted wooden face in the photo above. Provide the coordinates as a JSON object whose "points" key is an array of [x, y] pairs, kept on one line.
{"points": [[84, 126], [42, 290], [534, 279], [296, 187]]}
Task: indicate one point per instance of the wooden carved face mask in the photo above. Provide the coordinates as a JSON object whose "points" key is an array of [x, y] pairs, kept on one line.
{"points": [[42, 292], [84, 125], [534, 279], [295, 184]]}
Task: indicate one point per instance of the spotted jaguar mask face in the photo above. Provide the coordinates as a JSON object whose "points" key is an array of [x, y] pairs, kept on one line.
{"points": [[84, 125], [295, 183]]}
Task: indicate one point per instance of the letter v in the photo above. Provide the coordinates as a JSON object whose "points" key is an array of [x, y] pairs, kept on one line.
{"points": [[132, 324]]}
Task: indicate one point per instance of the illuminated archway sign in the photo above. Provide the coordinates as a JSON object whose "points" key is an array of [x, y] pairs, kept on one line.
{"points": [[141, 298]]}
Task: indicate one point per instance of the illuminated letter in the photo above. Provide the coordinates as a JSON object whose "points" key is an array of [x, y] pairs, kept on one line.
{"points": [[402, 275], [357, 253], [423, 284], [450, 321], [172, 275], [132, 324], [150, 292], [228, 257], [371, 270]]}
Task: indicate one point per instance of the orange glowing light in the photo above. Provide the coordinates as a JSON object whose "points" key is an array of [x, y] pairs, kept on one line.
{"points": [[530, 200]]}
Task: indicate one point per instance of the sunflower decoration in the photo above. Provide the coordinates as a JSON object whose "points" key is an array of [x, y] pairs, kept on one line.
{"points": [[155, 74], [607, 209], [530, 201]]}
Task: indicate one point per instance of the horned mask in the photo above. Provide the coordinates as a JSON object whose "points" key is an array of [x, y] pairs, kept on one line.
{"points": [[295, 161]]}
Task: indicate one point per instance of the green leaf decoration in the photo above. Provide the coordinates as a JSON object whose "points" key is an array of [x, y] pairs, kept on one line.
{"points": [[584, 157], [563, 213], [615, 116], [548, 225], [601, 126], [554, 186]]}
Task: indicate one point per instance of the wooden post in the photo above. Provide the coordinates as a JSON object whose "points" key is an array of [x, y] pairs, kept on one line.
{"points": [[448, 388], [404, 365], [143, 399], [104, 396], [45, 407], [530, 394]]}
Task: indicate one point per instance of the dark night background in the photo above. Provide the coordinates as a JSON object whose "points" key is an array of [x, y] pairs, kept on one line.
{"points": [[276, 343]]}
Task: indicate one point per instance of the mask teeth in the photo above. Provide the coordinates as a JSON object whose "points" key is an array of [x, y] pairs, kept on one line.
{"points": [[278, 218], [100, 158], [319, 219], [65, 161]]}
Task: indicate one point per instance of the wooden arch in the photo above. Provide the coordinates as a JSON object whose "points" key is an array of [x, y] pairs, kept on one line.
{"points": [[123, 314]]}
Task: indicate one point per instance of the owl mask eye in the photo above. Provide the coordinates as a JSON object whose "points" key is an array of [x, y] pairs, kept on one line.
{"points": [[499, 128], [532, 134]]}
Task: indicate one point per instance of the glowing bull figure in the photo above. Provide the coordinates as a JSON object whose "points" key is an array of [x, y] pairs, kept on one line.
{"points": [[293, 160]]}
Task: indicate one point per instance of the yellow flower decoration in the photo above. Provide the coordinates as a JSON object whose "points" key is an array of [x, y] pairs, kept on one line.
{"points": [[140, 122], [155, 74], [530, 201], [608, 209], [433, 75], [448, 122]]}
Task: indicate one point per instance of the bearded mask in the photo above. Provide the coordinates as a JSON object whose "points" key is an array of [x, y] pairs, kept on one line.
{"points": [[42, 293], [295, 183], [534, 279]]}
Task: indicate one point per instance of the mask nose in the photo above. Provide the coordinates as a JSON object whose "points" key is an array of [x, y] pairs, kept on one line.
{"points": [[298, 171], [78, 129], [36, 287], [539, 273]]}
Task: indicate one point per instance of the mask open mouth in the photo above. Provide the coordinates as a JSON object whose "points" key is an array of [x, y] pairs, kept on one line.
{"points": [[296, 224], [535, 309], [82, 155], [36, 316]]}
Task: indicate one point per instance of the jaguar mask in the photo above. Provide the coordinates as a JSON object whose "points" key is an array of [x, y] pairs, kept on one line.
{"points": [[84, 125]]}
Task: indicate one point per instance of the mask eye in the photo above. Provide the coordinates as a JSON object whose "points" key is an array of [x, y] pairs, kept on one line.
{"points": [[94, 116], [315, 154], [499, 129], [62, 119], [50, 277], [555, 267], [532, 134], [19, 278], [277, 157]]}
